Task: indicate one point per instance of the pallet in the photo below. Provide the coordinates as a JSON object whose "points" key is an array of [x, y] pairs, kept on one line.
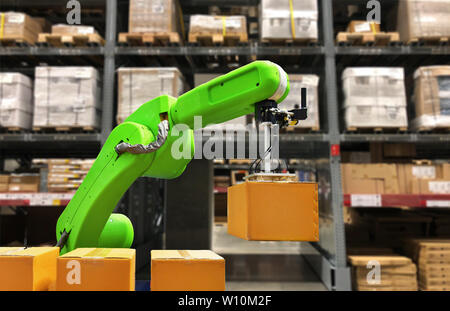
{"points": [[12, 130], [290, 42], [421, 41], [302, 130], [239, 161], [16, 42], [209, 39], [380, 130], [263, 177], [66, 129], [91, 40], [424, 129], [149, 39], [368, 39]]}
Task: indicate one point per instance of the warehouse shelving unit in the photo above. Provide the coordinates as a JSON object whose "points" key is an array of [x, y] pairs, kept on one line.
{"points": [[328, 257]]}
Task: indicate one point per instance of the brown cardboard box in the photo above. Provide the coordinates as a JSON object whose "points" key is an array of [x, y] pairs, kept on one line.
{"points": [[20, 26], [445, 171], [96, 269], [4, 179], [363, 26], [427, 186], [30, 269], [409, 173], [147, 16], [23, 188], [370, 178], [187, 270], [24, 179], [3, 187]]}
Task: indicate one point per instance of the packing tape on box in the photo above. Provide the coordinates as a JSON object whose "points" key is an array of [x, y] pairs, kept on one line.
{"points": [[2, 25], [291, 10], [224, 26]]}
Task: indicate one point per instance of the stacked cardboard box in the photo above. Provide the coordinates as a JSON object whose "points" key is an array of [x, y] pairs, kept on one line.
{"points": [[239, 123], [140, 85], [24, 183], [20, 27], [276, 19], [65, 175], [221, 25], [432, 97], [370, 178], [383, 273], [150, 16], [4, 183], [374, 97], [66, 97], [422, 19], [16, 105], [311, 83], [424, 178], [432, 257]]}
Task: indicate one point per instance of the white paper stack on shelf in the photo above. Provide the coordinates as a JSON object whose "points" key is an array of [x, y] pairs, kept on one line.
{"points": [[66, 97], [275, 19], [231, 125], [423, 19], [16, 106], [432, 97], [140, 85], [293, 100], [374, 97]]}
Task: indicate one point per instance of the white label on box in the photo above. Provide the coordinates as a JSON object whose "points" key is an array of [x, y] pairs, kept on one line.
{"points": [[232, 23], [440, 187], [16, 18], [424, 172], [158, 9], [6, 78], [365, 200], [438, 203], [362, 27]]}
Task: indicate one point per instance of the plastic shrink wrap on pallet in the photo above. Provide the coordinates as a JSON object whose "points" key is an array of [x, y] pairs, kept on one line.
{"points": [[293, 100], [210, 24], [374, 97], [277, 19], [140, 85], [16, 106], [422, 19], [432, 98], [149, 16], [67, 97]]}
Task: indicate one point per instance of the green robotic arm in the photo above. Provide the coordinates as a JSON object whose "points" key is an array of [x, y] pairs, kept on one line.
{"points": [[142, 146]]}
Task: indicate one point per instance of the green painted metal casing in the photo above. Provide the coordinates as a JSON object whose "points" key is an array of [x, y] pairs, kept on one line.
{"points": [[224, 98]]}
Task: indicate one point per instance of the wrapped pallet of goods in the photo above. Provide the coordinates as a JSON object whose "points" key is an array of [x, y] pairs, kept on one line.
{"points": [[282, 20], [311, 83], [424, 20], [66, 98], [375, 97], [432, 98], [237, 124], [394, 273], [221, 30], [136, 86], [152, 21], [19, 28], [16, 105]]}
